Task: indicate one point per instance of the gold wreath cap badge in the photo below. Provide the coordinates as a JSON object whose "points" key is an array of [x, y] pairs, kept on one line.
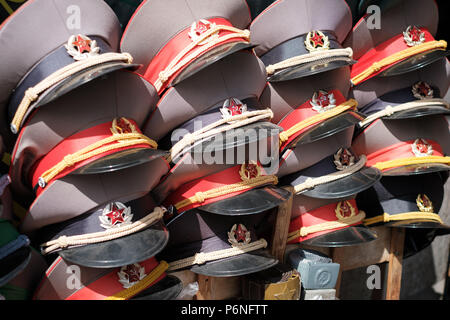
{"points": [[344, 209], [424, 203]]}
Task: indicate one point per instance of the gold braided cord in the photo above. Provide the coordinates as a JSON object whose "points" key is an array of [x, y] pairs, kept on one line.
{"points": [[179, 62], [121, 140], [386, 217], [345, 222], [32, 94], [311, 183], [102, 236], [200, 197], [239, 120], [142, 284], [310, 57], [350, 104], [202, 257], [411, 160], [398, 56], [389, 110]]}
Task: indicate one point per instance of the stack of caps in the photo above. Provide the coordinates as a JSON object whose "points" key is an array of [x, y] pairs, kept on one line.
{"points": [[400, 81], [165, 144], [79, 159], [218, 195], [88, 110], [309, 81]]}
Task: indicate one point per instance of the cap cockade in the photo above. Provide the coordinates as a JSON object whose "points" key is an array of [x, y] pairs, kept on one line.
{"points": [[325, 114], [405, 146], [183, 38], [219, 245], [113, 235], [143, 280], [317, 40], [412, 202], [398, 47], [235, 190], [307, 41], [61, 60], [328, 223], [115, 214]]}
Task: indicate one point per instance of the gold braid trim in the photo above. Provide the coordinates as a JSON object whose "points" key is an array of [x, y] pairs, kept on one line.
{"points": [[411, 160], [116, 141], [142, 284], [304, 231], [350, 104], [406, 53], [386, 217], [200, 197]]}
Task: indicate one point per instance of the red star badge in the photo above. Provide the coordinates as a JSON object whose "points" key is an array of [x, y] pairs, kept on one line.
{"points": [[116, 215], [422, 146], [415, 33], [240, 233], [423, 88], [252, 171], [83, 45], [201, 27], [345, 157], [323, 99], [317, 40], [234, 108], [345, 210], [132, 273], [426, 202], [123, 126]]}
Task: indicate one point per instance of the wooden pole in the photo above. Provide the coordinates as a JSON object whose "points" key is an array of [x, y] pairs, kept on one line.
{"points": [[394, 277], [281, 228], [204, 287], [447, 280], [218, 288]]}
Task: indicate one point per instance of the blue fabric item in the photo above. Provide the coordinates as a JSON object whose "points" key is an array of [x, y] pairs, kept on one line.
{"points": [[19, 242]]}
